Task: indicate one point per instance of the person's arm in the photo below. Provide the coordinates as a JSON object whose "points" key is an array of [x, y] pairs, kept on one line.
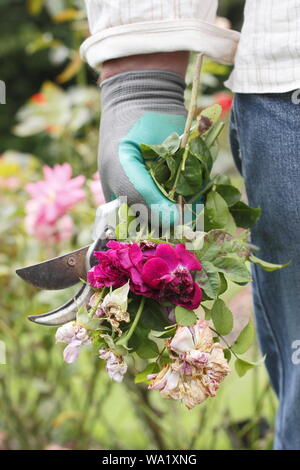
{"points": [[144, 52], [126, 28], [172, 61]]}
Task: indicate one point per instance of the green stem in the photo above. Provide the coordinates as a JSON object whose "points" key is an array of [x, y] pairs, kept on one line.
{"points": [[123, 341], [189, 120], [94, 309], [136, 320]]}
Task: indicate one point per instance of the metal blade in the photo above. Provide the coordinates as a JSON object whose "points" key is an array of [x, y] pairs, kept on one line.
{"points": [[67, 312], [57, 273]]}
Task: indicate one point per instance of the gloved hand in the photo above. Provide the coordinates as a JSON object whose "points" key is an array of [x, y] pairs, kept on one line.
{"points": [[137, 107]]}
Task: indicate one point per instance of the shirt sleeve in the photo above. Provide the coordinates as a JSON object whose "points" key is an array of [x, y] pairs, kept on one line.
{"points": [[121, 28]]}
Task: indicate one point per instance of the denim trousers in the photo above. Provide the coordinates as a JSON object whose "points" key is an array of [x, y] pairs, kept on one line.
{"points": [[265, 141]]}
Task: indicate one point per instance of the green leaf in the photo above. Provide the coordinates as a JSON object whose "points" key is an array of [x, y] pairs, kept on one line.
{"points": [[162, 189], [244, 340], [212, 112], [222, 317], [267, 266], [212, 135], [168, 333], [229, 193], [227, 354], [207, 312], [172, 143], [216, 214], [219, 243], [208, 279], [173, 162], [151, 368], [169, 146], [190, 179], [148, 349], [223, 284], [242, 367], [200, 150], [153, 317], [234, 269], [151, 152], [244, 215], [184, 316]]}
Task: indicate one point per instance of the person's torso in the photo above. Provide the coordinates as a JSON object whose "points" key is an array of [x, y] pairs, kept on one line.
{"points": [[268, 55]]}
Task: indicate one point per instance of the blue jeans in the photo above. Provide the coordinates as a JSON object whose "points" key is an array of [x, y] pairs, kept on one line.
{"points": [[265, 141]]}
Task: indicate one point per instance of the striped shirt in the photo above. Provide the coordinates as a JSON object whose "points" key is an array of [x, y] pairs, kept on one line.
{"points": [[266, 55]]}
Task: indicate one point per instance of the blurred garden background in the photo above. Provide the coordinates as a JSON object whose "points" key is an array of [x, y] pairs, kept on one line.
{"points": [[51, 119]]}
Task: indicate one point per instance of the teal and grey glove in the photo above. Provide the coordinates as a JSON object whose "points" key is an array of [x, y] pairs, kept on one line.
{"points": [[143, 106]]}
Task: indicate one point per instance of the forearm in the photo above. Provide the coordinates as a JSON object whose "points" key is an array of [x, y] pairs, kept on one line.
{"points": [[170, 61]]}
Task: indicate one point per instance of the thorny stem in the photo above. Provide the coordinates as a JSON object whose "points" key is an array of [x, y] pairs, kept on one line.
{"points": [[189, 120]]}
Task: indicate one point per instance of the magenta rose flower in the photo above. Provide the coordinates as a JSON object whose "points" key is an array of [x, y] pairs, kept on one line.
{"points": [[169, 273], [161, 272]]}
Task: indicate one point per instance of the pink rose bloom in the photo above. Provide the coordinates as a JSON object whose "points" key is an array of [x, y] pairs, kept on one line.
{"points": [[53, 196], [61, 230]]}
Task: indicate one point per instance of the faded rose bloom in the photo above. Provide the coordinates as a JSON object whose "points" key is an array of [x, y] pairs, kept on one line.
{"points": [[114, 306], [74, 336], [190, 340], [116, 367], [198, 368], [173, 383]]}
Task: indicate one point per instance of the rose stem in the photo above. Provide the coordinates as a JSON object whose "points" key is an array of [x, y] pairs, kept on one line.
{"points": [[134, 323], [94, 309], [189, 120]]}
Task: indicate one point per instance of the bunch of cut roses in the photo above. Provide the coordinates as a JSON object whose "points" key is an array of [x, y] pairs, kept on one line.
{"points": [[161, 301]]}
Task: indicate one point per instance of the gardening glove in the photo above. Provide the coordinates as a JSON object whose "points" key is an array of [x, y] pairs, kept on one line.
{"points": [[143, 106]]}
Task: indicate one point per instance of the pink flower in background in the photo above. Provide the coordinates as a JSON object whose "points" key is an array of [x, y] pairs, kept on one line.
{"points": [[96, 190], [61, 230], [162, 272], [51, 199], [53, 196]]}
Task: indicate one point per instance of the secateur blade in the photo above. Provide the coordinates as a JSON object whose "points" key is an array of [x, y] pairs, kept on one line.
{"points": [[59, 267], [57, 273]]}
